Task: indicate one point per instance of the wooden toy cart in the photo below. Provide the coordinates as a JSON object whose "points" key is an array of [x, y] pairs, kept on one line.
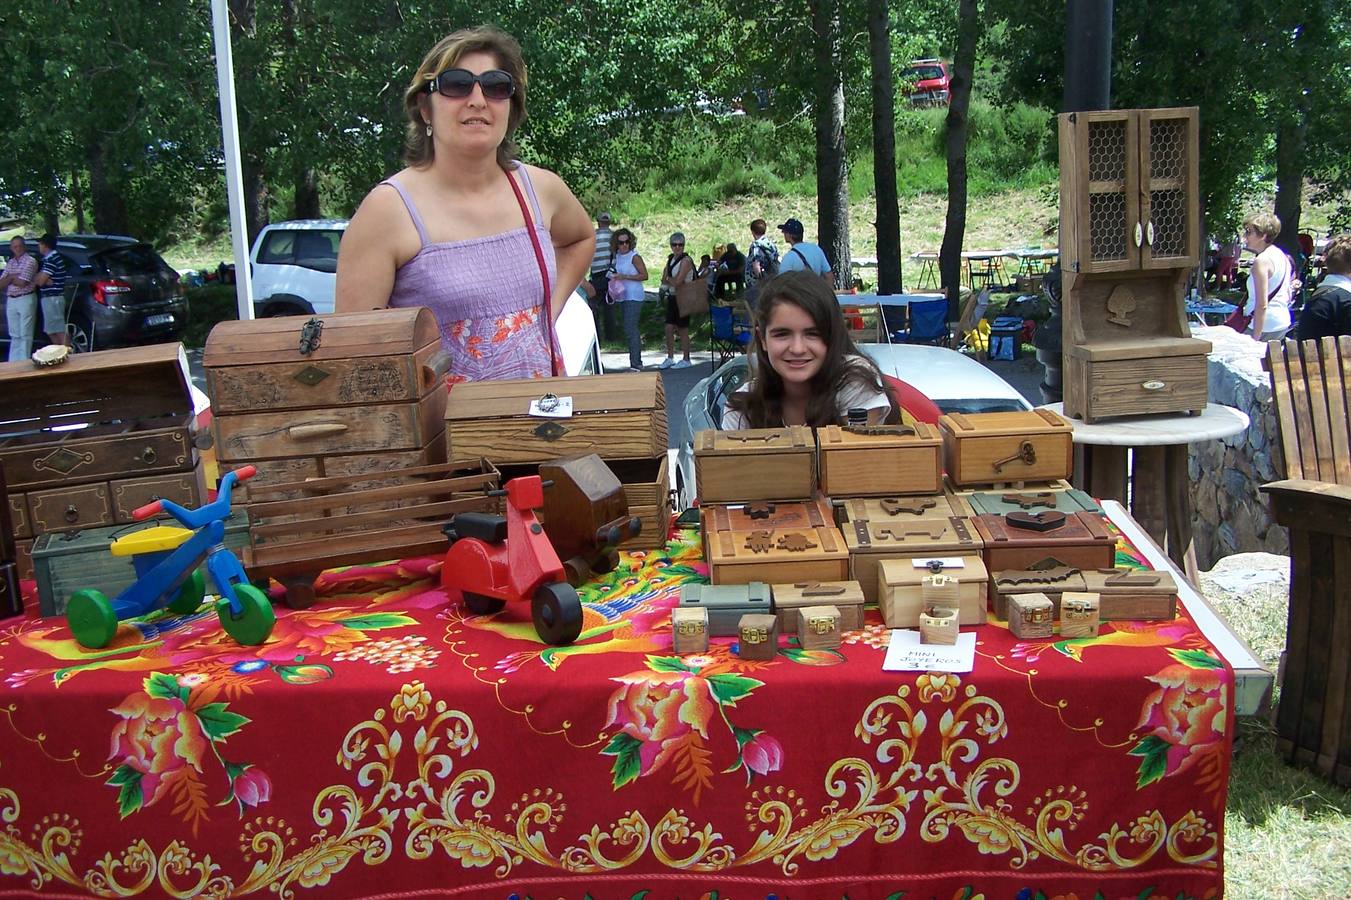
{"points": [[349, 520]]}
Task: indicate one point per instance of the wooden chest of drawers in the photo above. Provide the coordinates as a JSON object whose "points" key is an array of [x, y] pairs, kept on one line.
{"points": [[366, 394], [86, 442], [877, 461], [1006, 447]]}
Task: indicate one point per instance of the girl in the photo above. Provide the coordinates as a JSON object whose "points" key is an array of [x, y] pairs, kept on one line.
{"points": [[807, 369], [629, 273]]}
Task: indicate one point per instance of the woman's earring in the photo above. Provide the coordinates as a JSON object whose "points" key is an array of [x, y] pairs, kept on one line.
{"points": [[429, 129]]}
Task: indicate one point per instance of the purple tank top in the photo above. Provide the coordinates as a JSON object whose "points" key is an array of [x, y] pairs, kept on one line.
{"points": [[485, 294]]}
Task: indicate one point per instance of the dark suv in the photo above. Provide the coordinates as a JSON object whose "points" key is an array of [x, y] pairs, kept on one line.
{"points": [[119, 292]]}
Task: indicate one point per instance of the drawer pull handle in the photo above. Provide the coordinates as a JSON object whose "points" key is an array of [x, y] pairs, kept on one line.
{"points": [[1139, 234], [72, 514], [318, 430], [1149, 232], [148, 455], [1154, 385]]}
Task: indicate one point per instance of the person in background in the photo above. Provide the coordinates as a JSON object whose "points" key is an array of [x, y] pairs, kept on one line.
{"points": [[808, 370], [601, 261], [803, 256], [762, 261], [51, 285], [630, 272], [731, 271], [679, 270], [492, 246], [1271, 283], [21, 300], [1328, 312]]}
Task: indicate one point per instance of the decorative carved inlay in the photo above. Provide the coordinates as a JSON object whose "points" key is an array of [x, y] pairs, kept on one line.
{"points": [[1131, 578], [912, 506], [817, 589], [1120, 305], [1015, 578], [759, 510], [62, 460], [881, 430], [796, 542], [1031, 501], [311, 375], [932, 531], [760, 541]]}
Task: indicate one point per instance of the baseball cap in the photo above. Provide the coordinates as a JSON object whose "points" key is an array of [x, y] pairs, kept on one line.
{"points": [[603, 217], [793, 227]]}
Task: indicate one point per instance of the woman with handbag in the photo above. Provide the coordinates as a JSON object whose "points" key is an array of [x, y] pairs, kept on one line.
{"points": [[1271, 282], [679, 270], [491, 246], [626, 289]]}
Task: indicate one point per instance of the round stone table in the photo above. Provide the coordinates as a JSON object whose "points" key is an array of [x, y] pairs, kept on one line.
{"points": [[1160, 487]]}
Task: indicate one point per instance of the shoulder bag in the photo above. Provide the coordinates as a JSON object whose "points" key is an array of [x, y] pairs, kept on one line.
{"points": [[546, 317]]}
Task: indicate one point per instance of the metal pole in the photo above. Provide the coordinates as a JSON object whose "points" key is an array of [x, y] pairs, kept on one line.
{"points": [[1088, 55], [234, 178]]}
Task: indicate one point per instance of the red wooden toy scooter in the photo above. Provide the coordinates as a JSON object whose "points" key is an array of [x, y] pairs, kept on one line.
{"points": [[493, 559]]}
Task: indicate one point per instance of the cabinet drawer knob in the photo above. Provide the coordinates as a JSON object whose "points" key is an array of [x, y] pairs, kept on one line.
{"points": [[72, 514], [1149, 233], [148, 455], [1154, 385], [317, 430], [1139, 234]]}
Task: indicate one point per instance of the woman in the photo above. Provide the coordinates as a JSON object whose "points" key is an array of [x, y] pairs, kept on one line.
{"points": [[629, 272], [808, 371], [491, 246], [679, 270], [1271, 282]]}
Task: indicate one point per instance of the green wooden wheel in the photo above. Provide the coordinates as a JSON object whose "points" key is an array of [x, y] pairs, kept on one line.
{"points": [[91, 618], [190, 594], [254, 623]]}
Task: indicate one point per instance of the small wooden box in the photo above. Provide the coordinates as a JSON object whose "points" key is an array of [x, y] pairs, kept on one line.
{"points": [[1132, 594], [997, 503], [1079, 614], [873, 461], [689, 629], [1007, 447], [1080, 540], [938, 626], [616, 416], [1031, 616], [777, 514], [647, 489], [727, 604], [798, 554], [845, 596], [369, 397], [757, 637], [901, 590], [818, 627], [902, 509], [1052, 582], [755, 464], [871, 542]]}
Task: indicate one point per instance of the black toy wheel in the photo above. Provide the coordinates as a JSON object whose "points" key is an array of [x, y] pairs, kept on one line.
{"points": [[480, 605], [606, 563], [557, 612]]}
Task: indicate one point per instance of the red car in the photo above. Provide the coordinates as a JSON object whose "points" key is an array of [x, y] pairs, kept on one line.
{"points": [[930, 81]]}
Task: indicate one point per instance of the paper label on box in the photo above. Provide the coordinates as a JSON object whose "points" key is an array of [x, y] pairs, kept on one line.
{"points": [[906, 654], [949, 562], [552, 407]]}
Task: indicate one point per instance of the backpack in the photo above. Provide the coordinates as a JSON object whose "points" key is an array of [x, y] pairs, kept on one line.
{"points": [[768, 256]]}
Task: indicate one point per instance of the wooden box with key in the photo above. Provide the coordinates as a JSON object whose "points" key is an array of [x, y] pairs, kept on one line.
{"points": [[879, 460], [1006, 448], [345, 395], [845, 596], [907, 586], [755, 464], [86, 442], [1023, 540], [871, 542]]}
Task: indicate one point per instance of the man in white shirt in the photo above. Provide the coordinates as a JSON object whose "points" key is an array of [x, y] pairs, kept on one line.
{"points": [[801, 255], [600, 266]]}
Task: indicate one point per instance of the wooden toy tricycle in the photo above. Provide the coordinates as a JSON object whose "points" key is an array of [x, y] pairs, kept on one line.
{"points": [[493, 559], [586, 515], [167, 561]]}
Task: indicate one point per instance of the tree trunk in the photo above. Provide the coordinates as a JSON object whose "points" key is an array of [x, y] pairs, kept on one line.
{"points": [[1290, 140], [884, 150], [110, 212], [832, 177], [954, 230], [307, 194], [77, 197], [51, 213], [243, 25], [256, 214]]}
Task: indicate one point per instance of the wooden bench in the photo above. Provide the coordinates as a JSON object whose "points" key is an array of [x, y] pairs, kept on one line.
{"points": [[1310, 380]]}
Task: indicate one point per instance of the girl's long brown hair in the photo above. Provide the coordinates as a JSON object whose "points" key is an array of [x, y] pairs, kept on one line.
{"points": [[762, 403]]}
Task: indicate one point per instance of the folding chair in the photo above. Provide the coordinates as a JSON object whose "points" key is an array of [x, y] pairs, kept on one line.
{"points": [[928, 324], [730, 334]]}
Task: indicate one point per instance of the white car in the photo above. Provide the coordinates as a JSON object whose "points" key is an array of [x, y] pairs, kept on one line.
{"points": [[294, 266]]}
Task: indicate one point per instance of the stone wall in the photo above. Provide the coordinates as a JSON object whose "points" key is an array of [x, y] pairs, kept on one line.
{"points": [[1231, 515]]}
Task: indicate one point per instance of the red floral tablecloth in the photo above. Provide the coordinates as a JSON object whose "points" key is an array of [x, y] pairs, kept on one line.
{"points": [[383, 743]]}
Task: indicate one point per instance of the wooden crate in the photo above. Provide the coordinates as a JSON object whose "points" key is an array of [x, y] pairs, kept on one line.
{"points": [[998, 503], [755, 464], [846, 596], [877, 461], [615, 416], [902, 509], [1132, 594], [344, 521], [1080, 540], [81, 441], [647, 488], [369, 397], [993, 448], [900, 590], [790, 555], [871, 542]]}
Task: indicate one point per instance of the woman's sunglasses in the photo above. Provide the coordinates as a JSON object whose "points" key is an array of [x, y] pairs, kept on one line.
{"points": [[459, 83]]}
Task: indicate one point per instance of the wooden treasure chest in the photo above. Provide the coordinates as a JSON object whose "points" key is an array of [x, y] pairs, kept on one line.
{"points": [[997, 503], [1132, 594], [1031, 616], [818, 627], [1079, 614], [615, 416], [689, 629], [755, 464], [1051, 580], [86, 442], [786, 554], [901, 509], [727, 604], [878, 460], [1010, 448], [871, 542], [347, 394], [1022, 540], [846, 596], [757, 637], [903, 592]]}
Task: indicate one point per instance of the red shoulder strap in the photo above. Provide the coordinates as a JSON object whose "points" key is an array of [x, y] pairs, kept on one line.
{"points": [[546, 315]]}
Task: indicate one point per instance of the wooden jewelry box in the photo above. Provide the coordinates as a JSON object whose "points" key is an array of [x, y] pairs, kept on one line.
{"points": [[846, 596], [726, 604], [902, 509], [1132, 594], [755, 464], [817, 627], [814, 513], [1051, 581], [647, 489], [350, 394], [901, 589], [998, 503], [615, 416], [86, 442], [878, 460], [1010, 448], [786, 554], [871, 542], [1021, 540]]}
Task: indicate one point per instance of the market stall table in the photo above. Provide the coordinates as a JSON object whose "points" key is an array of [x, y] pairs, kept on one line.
{"points": [[928, 268], [384, 742]]}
